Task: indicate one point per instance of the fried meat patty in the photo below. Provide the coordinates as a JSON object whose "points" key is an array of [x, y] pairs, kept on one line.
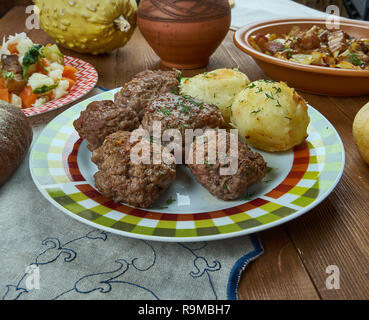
{"points": [[102, 118], [145, 87], [181, 112], [251, 167], [123, 180]]}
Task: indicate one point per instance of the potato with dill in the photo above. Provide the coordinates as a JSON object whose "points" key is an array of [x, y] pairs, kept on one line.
{"points": [[218, 87], [270, 116]]}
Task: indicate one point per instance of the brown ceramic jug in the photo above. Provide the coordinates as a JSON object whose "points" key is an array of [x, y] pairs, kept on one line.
{"points": [[184, 33]]}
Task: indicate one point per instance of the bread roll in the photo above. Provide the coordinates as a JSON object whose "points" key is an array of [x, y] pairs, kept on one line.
{"points": [[16, 137]]}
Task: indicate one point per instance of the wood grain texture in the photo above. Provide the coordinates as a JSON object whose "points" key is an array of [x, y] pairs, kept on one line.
{"points": [[297, 253], [279, 273]]}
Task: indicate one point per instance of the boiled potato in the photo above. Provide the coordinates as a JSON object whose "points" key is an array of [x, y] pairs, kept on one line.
{"points": [[218, 87], [361, 132], [270, 116]]}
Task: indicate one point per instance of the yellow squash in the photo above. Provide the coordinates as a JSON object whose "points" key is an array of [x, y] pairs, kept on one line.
{"points": [[92, 26]]}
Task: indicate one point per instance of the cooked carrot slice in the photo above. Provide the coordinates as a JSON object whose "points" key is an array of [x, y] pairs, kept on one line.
{"points": [[71, 82], [28, 97], [70, 72], [12, 47], [4, 95], [44, 61], [2, 83]]}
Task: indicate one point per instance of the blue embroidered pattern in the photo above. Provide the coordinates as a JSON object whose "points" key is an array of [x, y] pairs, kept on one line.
{"points": [[202, 266], [104, 282]]}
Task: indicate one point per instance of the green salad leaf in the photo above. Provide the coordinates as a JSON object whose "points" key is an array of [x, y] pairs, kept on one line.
{"points": [[30, 58]]}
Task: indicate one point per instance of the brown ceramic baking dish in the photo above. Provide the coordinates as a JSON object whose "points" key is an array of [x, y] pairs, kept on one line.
{"points": [[309, 78]]}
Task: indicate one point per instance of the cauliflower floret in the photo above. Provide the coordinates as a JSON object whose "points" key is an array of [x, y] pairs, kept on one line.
{"points": [[62, 89], [21, 39], [40, 101], [56, 74], [24, 45], [16, 100], [3, 48], [38, 80], [55, 66]]}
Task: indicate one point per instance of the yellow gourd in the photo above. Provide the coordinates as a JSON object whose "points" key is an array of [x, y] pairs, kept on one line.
{"points": [[91, 26]]}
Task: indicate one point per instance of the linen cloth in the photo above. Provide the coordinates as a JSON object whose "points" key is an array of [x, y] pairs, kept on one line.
{"points": [[249, 11], [45, 254]]}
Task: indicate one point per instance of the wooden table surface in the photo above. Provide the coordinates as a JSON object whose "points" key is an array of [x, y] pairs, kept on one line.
{"points": [[298, 252]]}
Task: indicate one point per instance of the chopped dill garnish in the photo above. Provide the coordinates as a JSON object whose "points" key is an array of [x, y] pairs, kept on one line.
{"points": [[182, 126], [277, 89], [267, 81], [269, 96], [208, 164], [165, 111], [225, 185], [179, 77], [185, 108], [170, 200]]}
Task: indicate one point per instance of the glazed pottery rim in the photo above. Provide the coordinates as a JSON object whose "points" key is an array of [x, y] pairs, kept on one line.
{"points": [[241, 39], [186, 19]]}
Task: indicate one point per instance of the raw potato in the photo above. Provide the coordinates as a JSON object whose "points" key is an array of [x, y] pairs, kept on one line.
{"points": [[361, 132], [218, 87], [270, 116]]}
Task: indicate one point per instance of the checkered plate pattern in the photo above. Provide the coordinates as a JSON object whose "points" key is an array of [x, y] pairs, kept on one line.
{"points": [[317, 168], [86, 80]]}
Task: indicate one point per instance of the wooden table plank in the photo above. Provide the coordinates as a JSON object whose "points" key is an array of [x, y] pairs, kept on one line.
{"points": [[296, 254], [279, 273], [336, 232]]}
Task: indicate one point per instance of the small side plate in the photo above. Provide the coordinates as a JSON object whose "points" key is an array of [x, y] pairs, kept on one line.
{"points": [[86, 80]]}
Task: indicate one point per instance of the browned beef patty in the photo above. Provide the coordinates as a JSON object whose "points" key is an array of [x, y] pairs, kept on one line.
{"points": [[145, 87], [122, 180], [251, 168], [178, 112], [102, 118]]}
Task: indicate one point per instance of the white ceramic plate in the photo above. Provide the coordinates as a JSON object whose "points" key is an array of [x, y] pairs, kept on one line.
{"points": [[298, 180]]}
